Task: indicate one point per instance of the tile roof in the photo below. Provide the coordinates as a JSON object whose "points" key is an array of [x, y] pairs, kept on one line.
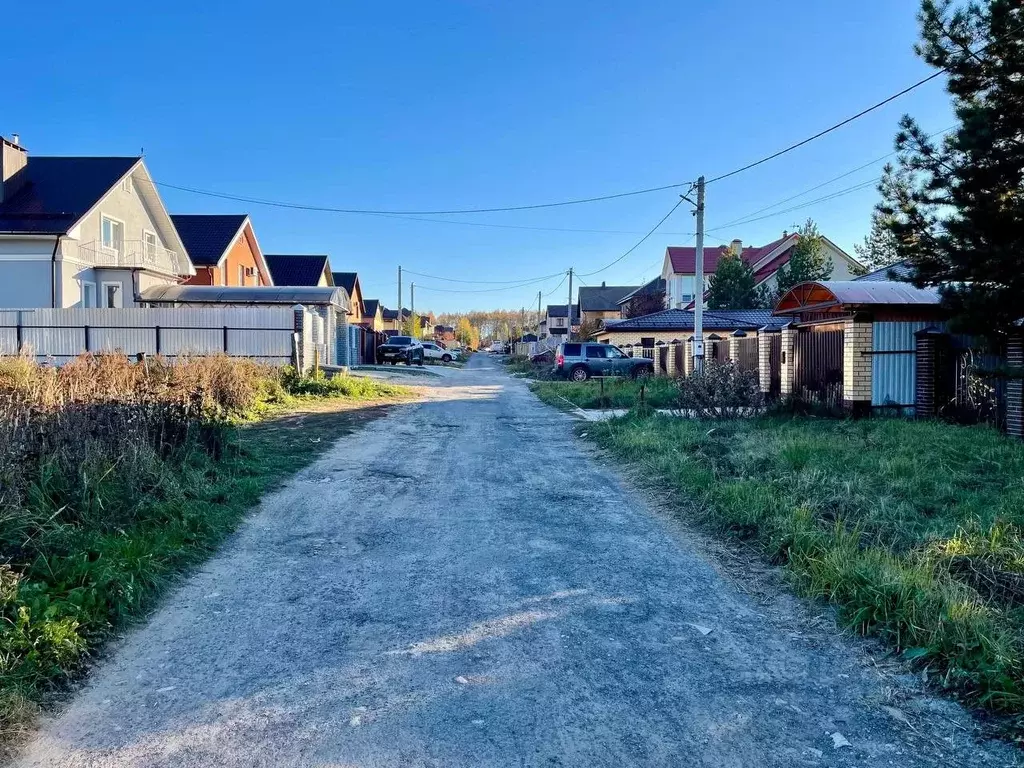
{"points": [[58, 191], [346, 280], [207, 238], [682, 320], [684, 258], [370, 306], [558, 310], [654, 286], [603, 298], [901, 270], [295, 269]]}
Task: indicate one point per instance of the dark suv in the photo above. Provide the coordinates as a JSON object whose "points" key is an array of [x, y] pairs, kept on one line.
{"points": [[401, 349], [580, 361]]}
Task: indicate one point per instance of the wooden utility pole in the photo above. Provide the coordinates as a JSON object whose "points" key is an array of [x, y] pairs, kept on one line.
{"points": [[399, 325]]}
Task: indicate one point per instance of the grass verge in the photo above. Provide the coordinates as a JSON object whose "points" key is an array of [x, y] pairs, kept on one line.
{"points": [[616, 393], [123, 488], [913, 530]]}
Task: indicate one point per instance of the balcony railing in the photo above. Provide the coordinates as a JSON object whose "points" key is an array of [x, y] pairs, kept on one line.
{"points": [[135, 254]]}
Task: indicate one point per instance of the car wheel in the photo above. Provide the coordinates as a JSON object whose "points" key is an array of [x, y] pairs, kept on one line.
{"points": [[643, 372], [446, 358], [579, 373]]}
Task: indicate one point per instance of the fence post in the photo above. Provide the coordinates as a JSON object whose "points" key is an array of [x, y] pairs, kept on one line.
{"points": [[225, 350], [857, 364], [19, 336], [734, 345], [788, 364], [764, 359], [1015, 386], [85, 329], [298, 312], [670, 364], [157, 329], [688, 357]]}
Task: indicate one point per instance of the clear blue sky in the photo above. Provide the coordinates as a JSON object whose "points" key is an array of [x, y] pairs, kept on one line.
{"points": [[447, 104]]}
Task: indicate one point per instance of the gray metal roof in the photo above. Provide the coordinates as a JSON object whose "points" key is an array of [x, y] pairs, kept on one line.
{"points": [[901, 270], [682, 320], [219, 294]]}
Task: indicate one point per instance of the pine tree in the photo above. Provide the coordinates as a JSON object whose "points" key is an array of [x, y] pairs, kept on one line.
{"points": [[955, 207], [879, 247], [732, 286], [809, 260]]}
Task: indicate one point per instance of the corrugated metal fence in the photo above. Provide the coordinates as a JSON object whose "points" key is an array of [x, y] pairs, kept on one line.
{"points": [[263, 333], [894, 362]]}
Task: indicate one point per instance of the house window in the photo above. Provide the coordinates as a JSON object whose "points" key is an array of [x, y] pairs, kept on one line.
{"points": [[241, 275], [112, 297], [150, 245], [112, 234], [88, 295], [126, 185], [224, 274]]}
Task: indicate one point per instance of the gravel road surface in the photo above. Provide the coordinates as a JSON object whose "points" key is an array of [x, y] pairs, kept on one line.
{"points": [[464, 584]]}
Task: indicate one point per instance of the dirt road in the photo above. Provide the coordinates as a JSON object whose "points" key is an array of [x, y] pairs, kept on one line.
{"points": [[462, 584]]}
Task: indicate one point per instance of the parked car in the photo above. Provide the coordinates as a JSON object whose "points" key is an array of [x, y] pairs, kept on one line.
{"points": [[437, 352], [580, 361], [401, 349]]}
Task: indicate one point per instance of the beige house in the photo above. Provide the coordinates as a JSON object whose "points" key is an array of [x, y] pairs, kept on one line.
{"points": [[82, 231]]}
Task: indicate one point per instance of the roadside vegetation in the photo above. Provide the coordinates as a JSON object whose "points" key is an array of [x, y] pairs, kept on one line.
{"points": [[116, 476], [608, 393], [912, 530]]}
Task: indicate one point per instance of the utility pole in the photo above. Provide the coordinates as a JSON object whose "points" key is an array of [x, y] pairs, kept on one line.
{"points": [[698, 307], [399, 300], [412, 311], [539, 295], [568, 308]]}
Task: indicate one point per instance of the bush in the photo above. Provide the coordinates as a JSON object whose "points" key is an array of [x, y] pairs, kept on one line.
{"points": [[721, 391]]}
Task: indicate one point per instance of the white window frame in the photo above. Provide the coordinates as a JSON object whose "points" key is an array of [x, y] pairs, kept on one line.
{"points": [[93, 301], [146, 233], [223, 273], [241, 274], [105, 218], [126, 184], [120, 294]]}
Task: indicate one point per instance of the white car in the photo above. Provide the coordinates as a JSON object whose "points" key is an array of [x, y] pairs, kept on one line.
{"points": [[433, 351]]}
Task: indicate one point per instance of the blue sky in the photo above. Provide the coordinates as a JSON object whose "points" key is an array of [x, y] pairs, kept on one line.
{"points": [[478, 103]]}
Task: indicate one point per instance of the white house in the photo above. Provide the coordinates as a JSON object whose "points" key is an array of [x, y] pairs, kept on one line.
{"points": [[82, 231], [679, 268]]}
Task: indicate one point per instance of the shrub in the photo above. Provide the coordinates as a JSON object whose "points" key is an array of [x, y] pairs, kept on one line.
{"points": [[721, 390]]}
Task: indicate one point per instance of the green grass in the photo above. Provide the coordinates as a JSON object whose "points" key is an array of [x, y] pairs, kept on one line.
{"points": [[913, 530], [618, 393], [68, 586]]}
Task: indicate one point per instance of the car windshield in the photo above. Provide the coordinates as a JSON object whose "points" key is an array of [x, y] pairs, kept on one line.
{"points": [[400, 340]]}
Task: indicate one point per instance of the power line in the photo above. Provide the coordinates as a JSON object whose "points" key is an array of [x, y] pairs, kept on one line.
{"points": [[482, 282], [484, 290], [840, 193], [638, 243]]}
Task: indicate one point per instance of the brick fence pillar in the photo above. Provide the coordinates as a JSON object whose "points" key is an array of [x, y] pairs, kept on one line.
{"points": [[857, 364], [734, 345], [788, 374], [670, 364], [764, 360], [688, 357], [1015, 386]]}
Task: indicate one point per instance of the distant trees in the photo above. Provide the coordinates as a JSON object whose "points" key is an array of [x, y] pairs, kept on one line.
{"points": [[809, 260], [466, 334], [879, 247], [733, 286], [954, 207]]}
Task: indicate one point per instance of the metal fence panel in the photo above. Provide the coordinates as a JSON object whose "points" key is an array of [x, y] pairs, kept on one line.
{"points": [[818, 357], [747, 353], [894, 362]]}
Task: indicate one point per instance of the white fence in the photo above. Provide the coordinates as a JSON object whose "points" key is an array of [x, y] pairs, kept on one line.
{"points": [[263, 333]]}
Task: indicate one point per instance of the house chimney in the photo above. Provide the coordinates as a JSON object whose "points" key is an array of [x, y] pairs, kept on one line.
{"points": [[13, 159], [737, 247], [602, 284]]}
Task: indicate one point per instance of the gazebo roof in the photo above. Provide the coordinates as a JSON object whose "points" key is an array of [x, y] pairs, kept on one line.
{"points": [[837, 293]]}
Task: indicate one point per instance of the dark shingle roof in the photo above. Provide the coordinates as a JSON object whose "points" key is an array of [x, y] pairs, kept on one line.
{"points": [[717, 320], [293, 269], [558, 310], [654, 286], [392, 314], [603, 298], [901, 270], [370, 306], [346, 280], [207, 238], [58, 191]]}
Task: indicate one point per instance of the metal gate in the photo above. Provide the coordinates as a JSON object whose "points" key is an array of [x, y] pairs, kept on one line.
{"points": [[746, 353], [894, 363], [818, 361]]}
